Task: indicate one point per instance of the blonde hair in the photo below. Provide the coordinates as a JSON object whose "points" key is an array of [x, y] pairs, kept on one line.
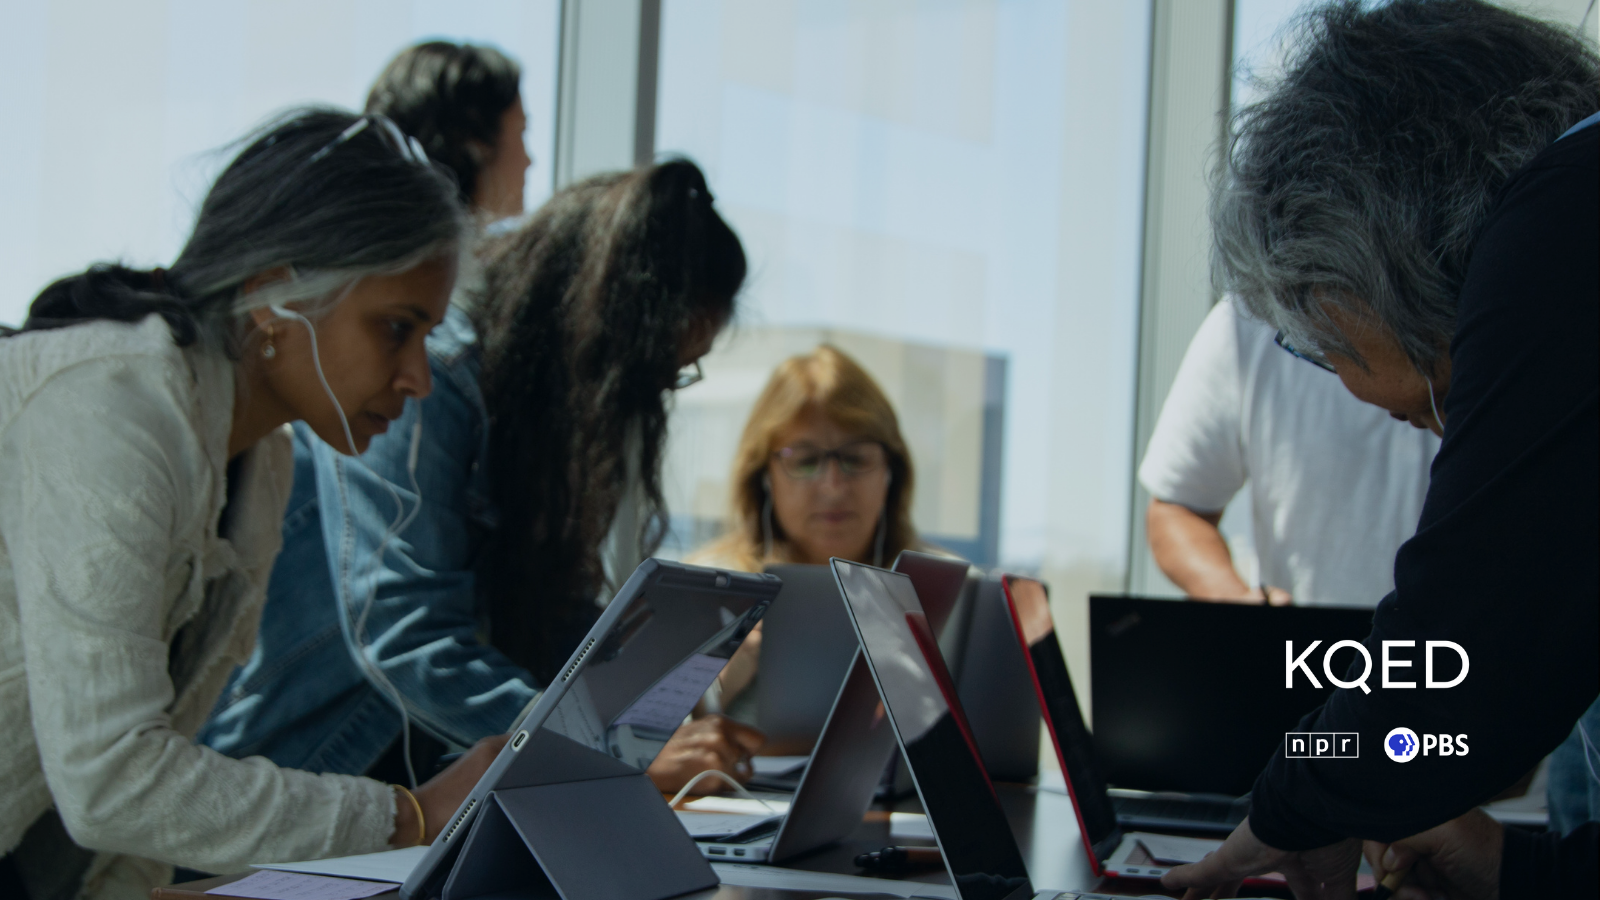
{"points": [[832, 383]]}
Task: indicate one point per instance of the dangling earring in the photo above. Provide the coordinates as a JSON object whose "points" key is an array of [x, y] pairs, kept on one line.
{"points": [[883, 524], [267, 350]]}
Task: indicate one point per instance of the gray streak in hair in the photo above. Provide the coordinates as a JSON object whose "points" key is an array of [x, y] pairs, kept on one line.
{"points": [[1363, 177], [362, 208]]}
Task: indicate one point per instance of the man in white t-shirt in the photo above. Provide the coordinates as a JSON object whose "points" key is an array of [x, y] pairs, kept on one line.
{"points": [[1336, 485]]}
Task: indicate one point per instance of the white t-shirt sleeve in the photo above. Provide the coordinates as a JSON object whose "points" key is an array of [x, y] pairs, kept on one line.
{"points": [[1196, 454]]}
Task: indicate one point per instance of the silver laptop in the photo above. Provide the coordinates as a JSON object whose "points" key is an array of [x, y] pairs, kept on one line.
{"points": [[806, 651], [837, 786], [841, 777]]}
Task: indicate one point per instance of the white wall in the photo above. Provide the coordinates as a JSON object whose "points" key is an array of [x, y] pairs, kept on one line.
{"points": [[115, 110]]}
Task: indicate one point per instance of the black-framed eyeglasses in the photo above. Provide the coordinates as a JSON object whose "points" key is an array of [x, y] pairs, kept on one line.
{"points": [[1316, 359], [804, 462], [688, 375]]}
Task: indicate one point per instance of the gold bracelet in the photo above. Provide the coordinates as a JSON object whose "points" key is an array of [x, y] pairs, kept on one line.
{"points": [[422, 821]]}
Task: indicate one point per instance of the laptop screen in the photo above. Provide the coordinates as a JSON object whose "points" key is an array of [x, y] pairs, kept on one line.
{"points": [[961, 804], [1030, 611], [1189, 696]]}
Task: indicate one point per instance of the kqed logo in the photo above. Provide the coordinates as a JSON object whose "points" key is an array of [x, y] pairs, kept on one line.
{"points": [[1401, 745]]}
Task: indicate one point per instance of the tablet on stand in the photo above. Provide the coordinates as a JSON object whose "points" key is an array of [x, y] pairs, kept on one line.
{"points": [[567, 810]]}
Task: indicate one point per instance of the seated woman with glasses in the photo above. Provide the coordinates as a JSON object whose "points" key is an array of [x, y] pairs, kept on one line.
{"points": [[821, 471], [539, 473]]}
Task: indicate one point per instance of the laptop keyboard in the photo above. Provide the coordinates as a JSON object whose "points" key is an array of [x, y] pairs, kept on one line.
{"points": [[1180, 810]]}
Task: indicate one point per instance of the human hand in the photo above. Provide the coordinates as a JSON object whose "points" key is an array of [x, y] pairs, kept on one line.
{"points": [[710, 742], [1272, 596], [1459, 860], [443, 794], [1326, 873], [742, 668]]}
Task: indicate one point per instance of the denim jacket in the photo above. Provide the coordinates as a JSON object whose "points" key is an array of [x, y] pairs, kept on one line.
{"points": [[303, 700]]}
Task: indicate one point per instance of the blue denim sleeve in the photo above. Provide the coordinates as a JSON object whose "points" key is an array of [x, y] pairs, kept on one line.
{"points": [[409, 611]]}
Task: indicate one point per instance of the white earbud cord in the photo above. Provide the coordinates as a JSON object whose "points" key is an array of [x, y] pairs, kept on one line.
{"points": [[718, 773], [402, 520]]}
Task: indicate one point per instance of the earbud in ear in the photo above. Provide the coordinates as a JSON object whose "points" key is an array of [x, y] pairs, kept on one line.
{"points": [[766, 481], [283, 312]]}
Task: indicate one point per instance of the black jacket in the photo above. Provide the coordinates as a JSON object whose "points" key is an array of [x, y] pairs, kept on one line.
{"points": [[1504, 561]]}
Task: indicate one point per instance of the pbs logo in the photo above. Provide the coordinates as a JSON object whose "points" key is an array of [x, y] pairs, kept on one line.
{"points": [[1401, 744]]}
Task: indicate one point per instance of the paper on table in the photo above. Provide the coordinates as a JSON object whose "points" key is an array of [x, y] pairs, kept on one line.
{"points": [[1053, 781], [777, 766], [719, 825], [738, 805], [909, 825], [1165, 848], [271, 885], [389, 865], [797, 880]]}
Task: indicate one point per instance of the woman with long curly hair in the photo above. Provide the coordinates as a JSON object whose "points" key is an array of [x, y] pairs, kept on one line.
{"points": [[538, 466]]}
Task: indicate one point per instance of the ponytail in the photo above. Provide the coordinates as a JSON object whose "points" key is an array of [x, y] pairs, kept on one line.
{"points": [[114, 292]]}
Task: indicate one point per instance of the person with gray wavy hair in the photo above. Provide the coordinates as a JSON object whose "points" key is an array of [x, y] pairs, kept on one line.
{"points": [[1415, 207], [146, 472]]}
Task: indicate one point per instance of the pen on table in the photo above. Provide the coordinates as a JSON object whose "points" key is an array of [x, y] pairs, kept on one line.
{"points": [[900, 858], [1390, 884]]}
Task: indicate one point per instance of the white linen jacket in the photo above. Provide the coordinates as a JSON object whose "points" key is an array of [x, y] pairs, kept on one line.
{"points": [[123, 611]]}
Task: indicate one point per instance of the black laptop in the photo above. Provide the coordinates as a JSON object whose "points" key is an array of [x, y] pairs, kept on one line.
{"points": [[1189, 700]]}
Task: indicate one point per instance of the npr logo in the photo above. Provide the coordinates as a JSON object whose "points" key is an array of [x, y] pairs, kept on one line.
{"points": [[1322, 745]]}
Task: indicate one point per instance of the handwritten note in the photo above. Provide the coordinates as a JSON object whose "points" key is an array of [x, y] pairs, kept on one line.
{"points": [[270, 885]]}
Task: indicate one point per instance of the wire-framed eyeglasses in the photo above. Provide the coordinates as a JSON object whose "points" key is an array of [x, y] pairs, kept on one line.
{"points": [[1313, 357], [804, 462]]}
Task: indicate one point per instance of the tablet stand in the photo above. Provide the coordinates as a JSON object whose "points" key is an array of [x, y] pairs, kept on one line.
{"points": [[603, 839]]}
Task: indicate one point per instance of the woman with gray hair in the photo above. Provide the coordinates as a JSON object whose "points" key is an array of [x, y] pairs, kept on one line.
{"points": [[1416, 207], [146, 471]]}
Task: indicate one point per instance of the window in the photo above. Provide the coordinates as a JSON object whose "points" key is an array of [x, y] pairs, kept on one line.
{"points": [[935, 186], [118, 112]]}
